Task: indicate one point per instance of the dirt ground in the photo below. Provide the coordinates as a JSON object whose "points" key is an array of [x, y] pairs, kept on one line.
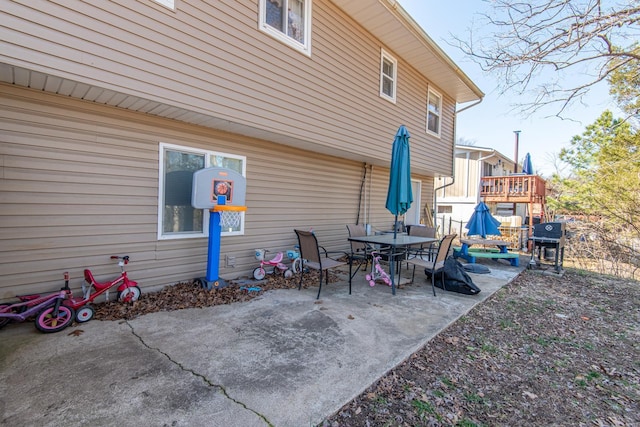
{"points": [[541, 351]]}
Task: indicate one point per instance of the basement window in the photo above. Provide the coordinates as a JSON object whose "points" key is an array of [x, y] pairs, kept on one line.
{"points": [[177, 219]]}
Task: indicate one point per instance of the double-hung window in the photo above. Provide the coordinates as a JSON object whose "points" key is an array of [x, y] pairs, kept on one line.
{"points": [[177, 219], [434, 111], [288, 21], [388, 74]]}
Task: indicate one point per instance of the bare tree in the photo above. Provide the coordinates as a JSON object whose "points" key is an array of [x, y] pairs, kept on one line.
{"points": [[556, 49], [466, 141]]}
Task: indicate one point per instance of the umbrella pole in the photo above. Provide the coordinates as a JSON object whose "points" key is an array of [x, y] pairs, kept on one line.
{"points": [[395, 227]]}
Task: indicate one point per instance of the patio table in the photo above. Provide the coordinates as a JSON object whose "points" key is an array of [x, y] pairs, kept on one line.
{"points": [[401, 241]]}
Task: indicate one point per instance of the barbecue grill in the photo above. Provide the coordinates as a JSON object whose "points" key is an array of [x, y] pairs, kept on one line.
{"points": [[549, 235]]}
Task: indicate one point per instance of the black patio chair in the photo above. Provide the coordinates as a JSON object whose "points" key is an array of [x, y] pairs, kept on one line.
{"points": [[310, 254]]}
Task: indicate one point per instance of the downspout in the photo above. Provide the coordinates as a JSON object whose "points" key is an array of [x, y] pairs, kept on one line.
{"points": [[453, 161]]}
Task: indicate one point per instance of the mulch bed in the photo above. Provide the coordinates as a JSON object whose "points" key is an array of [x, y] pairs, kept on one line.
{"points": [[189, 295]]}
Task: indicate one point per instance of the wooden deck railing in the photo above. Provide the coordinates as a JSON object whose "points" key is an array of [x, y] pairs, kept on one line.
{"points": [[513, 188]]}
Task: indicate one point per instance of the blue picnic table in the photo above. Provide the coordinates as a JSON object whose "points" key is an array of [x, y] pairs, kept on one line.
{"points": [[470, 254]]}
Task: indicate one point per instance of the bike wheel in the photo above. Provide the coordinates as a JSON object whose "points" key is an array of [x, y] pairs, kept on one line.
{"points": [[4, 320], [288, 274], [84, 314], [259, 273], [296, 265], [130, 294], [47, 322]]}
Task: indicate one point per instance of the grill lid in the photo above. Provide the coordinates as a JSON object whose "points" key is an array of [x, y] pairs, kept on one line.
{"points": [[553, 230]]}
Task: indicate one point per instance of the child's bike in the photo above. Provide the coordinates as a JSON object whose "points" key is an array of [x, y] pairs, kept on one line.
{"points": [[51, 315], [296, 261], [128, 291], [377, 272]]}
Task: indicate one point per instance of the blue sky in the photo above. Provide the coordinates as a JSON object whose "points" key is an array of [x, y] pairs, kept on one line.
{"points": [[492, 122]]}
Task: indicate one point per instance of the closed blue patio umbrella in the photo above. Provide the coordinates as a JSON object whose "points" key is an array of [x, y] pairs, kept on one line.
{"points": [[399, 195], [482, 223], [527, 166]]}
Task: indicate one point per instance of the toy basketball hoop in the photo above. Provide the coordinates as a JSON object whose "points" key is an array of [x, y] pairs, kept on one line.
{"points": [[222, 192], [230, 215]]}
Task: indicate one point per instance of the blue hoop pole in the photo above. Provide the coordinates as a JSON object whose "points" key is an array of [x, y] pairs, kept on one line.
{"points": [[213, 249]]}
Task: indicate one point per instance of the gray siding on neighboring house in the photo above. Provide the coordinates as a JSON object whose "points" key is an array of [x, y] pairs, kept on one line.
{"points": [[79, 182], [225, 67], [466, 182]]}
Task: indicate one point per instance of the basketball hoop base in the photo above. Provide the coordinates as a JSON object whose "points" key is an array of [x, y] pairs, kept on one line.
{"points": [[210, 284]]}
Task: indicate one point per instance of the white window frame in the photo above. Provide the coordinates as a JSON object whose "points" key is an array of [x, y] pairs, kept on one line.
{"points": [[171, 4], [208, 154], [434, 93], [384, 55], [304, 47]]}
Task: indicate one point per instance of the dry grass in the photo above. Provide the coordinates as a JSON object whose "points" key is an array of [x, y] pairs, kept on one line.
{"points": [[541, 351]]}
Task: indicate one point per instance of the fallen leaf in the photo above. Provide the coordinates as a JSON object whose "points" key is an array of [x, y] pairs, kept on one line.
{"points": [[452, 340], [350, 317], [76, 333]]}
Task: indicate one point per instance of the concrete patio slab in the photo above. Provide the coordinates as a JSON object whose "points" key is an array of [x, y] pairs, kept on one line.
{"points": [[282, 359]]}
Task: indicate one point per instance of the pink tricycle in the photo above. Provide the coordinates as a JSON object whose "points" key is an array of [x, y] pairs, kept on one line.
{"points": [[276, 264]]}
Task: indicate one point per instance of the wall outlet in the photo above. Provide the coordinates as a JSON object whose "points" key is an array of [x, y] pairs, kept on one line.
{"points": [[229, 261]]}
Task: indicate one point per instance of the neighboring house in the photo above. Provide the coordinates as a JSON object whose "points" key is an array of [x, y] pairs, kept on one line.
{"points": [[107, 108], [457, 198]]}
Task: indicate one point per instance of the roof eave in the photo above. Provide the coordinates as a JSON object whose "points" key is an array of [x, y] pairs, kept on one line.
{"points": [[400, 33]]}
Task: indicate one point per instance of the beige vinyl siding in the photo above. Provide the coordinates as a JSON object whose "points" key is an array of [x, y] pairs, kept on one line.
{"points": [[79, 182], [225, 67]]}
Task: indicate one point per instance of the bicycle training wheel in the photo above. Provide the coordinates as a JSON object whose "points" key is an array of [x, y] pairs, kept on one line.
{"points": [[84, 314], [130, 294], [296, 265], [47, 322]]}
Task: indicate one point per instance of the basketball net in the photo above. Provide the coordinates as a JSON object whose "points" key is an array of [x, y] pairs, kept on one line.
{"points": [[230, 215]]}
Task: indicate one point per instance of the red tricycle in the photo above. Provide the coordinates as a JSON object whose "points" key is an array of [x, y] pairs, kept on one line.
{"points": [[128, 291]]}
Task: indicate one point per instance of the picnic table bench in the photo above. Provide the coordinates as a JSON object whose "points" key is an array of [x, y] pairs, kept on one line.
{"points": [[500, 252]]}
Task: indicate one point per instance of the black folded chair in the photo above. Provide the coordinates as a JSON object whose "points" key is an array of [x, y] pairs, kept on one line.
{"points": [[310, 254]]}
